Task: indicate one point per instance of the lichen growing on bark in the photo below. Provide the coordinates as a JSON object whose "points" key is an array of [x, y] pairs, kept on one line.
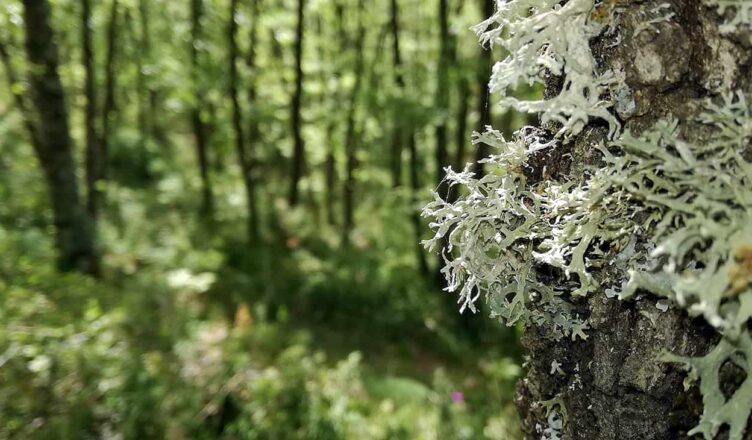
{"points": [[545, 38], [662, 209]]}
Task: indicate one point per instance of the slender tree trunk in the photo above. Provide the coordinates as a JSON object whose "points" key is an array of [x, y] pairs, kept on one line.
{"points": [[74, 233], [110, 80], [462, 139], [253, 127], [298, 155], [613, 386], [328, 102], [442, 97], [398, 131], [93, 150], [484, 110], [244, 158], [415, 214], [331, 178], [200, 132], [442, 106], [401, 133], [331, 156], [351, 141], [145, 115]]}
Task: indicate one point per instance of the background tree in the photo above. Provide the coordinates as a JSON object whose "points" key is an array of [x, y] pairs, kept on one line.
{"points": [[191, 117], [244, 156], [298, 153], [74, 233], [200, 129], [94, 156]]}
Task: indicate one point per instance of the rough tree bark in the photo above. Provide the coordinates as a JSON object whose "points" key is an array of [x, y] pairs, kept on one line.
{"points": [[74, 237], [613, 386]]}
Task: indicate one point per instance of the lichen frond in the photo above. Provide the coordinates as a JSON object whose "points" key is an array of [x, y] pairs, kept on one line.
{"points": [[719, 410], [492, 249], [698, 204], [740, 12], [544, 38]]}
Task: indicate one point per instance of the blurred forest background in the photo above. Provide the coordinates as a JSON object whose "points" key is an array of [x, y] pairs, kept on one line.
{"points": [[210, 221]]}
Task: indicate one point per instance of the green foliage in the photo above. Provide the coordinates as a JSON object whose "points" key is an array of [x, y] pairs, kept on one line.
{"points": [[138, 361], [194, 330]]}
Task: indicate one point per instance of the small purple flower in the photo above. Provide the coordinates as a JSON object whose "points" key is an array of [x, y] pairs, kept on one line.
{"points": [[458, 397]]}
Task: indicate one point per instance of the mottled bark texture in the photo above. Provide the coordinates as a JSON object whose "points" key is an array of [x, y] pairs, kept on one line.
{"points": [[612, 386]]}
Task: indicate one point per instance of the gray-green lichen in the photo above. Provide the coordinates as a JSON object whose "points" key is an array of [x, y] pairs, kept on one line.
{"points": [[665, 211], [545, 38], [739, 13]]}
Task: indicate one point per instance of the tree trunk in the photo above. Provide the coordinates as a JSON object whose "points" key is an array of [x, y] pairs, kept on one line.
{"points": [[244, 158], [351, 141], [442, 98], [461, 134], [109, 107], [298, 155], [254, 133], [74, 233], [144, 59], [613, 386], [484, 110], [398, 129], [415, 214], [330, 176], [200, 132], [94, 159], [442, 105]]}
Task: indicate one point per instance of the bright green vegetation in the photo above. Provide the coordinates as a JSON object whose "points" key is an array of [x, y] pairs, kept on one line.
{"points": [[251, 188]]}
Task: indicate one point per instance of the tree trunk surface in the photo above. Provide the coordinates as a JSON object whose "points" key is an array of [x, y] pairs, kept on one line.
{"points": [[296, 118], [612, 385], [94, 156], [351, 134], [74, 234]]}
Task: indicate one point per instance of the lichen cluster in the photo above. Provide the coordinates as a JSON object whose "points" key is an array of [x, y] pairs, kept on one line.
{"points": [[739, 13], [667, 211], [544, 38]]}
